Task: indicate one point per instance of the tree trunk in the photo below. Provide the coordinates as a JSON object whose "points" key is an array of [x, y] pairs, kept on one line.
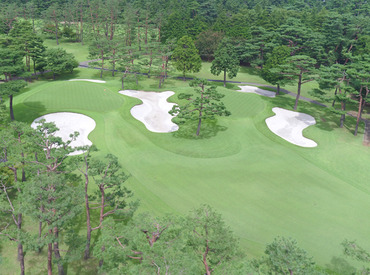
{"points": [[102, 67], [224, 78], [20, 246], [114, 61], [278, 89], [359, 112], [101, 261], [11, 107], [88, 220], [56, 28], [82, 29], [57, 253], [122, 84], [343, 116], [335, 93], [199, 123], [299, 91], [53, 76], [50, 257]]}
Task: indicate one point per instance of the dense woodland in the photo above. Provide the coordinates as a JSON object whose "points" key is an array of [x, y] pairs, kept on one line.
{"points": [[43, 191]]}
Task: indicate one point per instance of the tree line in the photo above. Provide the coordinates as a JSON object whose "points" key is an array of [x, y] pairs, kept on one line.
{"points": [[289, 42]]}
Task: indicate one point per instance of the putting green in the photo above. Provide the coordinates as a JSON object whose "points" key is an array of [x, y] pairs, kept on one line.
{"points": [[75, 95], [262, 185]]}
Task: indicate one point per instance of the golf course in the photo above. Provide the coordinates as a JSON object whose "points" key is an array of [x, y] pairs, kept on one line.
{"points": [[263, 185], [192, 137]]}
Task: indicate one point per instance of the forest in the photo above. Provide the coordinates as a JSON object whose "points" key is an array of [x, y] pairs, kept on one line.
{"points": [[76, 211]]}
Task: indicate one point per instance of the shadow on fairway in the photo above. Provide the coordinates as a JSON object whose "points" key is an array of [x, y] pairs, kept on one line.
{"points": [[209, 129], [27, 114], [341, 266], [325, 119]]}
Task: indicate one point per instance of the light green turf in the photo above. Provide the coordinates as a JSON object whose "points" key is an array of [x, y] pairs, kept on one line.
{"points": [[261, 184]]}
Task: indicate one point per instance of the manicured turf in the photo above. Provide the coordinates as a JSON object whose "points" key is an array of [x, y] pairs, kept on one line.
{"points": [[261, 184]]}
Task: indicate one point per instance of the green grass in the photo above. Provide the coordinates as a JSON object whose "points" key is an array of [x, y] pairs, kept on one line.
{"points": [[261, 184]]}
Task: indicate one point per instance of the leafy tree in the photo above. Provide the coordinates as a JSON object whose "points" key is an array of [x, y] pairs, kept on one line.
{"points": [[174, 28], [59, 61], [206, 105], [10, 89], [285, 257], [226, 60], [26, 40], [186, 56], [146, 245], [359, 74], [207, 43], [277, 58], [99, 49], [254, 49], [52, 17], [300, 68], [210, 238], [37, 54], [335, 77], [13, 143], [60, 203], [353, 250], [11, 61], [111, 197]]}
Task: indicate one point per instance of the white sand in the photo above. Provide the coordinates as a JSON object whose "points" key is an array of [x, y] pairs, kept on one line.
{"points": [[89, 80], [289, 126], [255, 90], [153, 112], [68, 123]]}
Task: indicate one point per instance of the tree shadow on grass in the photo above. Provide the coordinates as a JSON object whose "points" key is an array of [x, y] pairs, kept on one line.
{"points": [[325, 119], [29, 112], [209, 129], [341, 266]]}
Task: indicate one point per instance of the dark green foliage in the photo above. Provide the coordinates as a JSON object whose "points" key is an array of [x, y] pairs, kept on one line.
{"points": [[207, 43], [59, 61], [11, 62], [186, 56], [285, 257], [205, 105], [226, 60], [300, 68], [277, 58], [10, 89]]}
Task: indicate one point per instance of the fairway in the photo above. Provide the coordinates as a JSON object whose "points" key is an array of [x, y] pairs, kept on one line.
{"points": [[261, 184]]}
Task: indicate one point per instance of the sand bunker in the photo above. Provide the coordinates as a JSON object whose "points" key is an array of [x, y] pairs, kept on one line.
{"points": [[255, 90], [89, 80], [153, 112], [68, 123], [289, 126]]}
